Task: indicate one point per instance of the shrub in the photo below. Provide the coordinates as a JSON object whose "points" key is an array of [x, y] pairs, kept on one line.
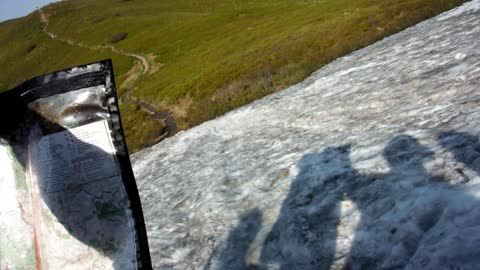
{"points": [[98, 20], [31, 47], [118, 37]]}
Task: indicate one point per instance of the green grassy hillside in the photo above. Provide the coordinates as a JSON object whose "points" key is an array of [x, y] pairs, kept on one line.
{"points": [[204, 57]]}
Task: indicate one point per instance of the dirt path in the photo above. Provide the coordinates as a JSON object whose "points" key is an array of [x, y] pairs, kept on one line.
{"points": [[141, 58], [134, 75], [145, 63]]}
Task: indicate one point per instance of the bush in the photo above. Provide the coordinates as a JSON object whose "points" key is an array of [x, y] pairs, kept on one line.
{"points": [[31, 47], [96, 20], [118, 37]]}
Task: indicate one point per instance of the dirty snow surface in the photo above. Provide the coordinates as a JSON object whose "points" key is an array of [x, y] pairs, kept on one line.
{"points": [[373, 162]]}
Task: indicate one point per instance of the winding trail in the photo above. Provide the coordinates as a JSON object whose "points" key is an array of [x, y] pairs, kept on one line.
{"points": [[143, 60], [135, 75]]}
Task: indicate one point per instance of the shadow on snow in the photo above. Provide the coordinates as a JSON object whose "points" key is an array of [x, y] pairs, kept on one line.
{"points": [[404, 219]]}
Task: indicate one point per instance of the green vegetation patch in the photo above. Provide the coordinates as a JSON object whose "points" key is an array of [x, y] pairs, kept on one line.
{"points": [[141, 129], [118, 37], [26, 52]]}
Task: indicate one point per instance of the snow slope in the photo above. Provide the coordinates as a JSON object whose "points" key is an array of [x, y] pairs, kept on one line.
{"points": [[372, 162]]}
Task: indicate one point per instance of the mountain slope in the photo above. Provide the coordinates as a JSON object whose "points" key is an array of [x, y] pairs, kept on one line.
{"points": [[204, 57], [373, 162]]}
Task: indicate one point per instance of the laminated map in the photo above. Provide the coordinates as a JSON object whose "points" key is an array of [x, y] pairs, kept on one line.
{"points": [[68, 196]]}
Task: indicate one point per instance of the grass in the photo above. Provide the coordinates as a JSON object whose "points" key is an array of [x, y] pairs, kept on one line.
{"points": [[139, 124], [26, 52], [211, 56]]}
